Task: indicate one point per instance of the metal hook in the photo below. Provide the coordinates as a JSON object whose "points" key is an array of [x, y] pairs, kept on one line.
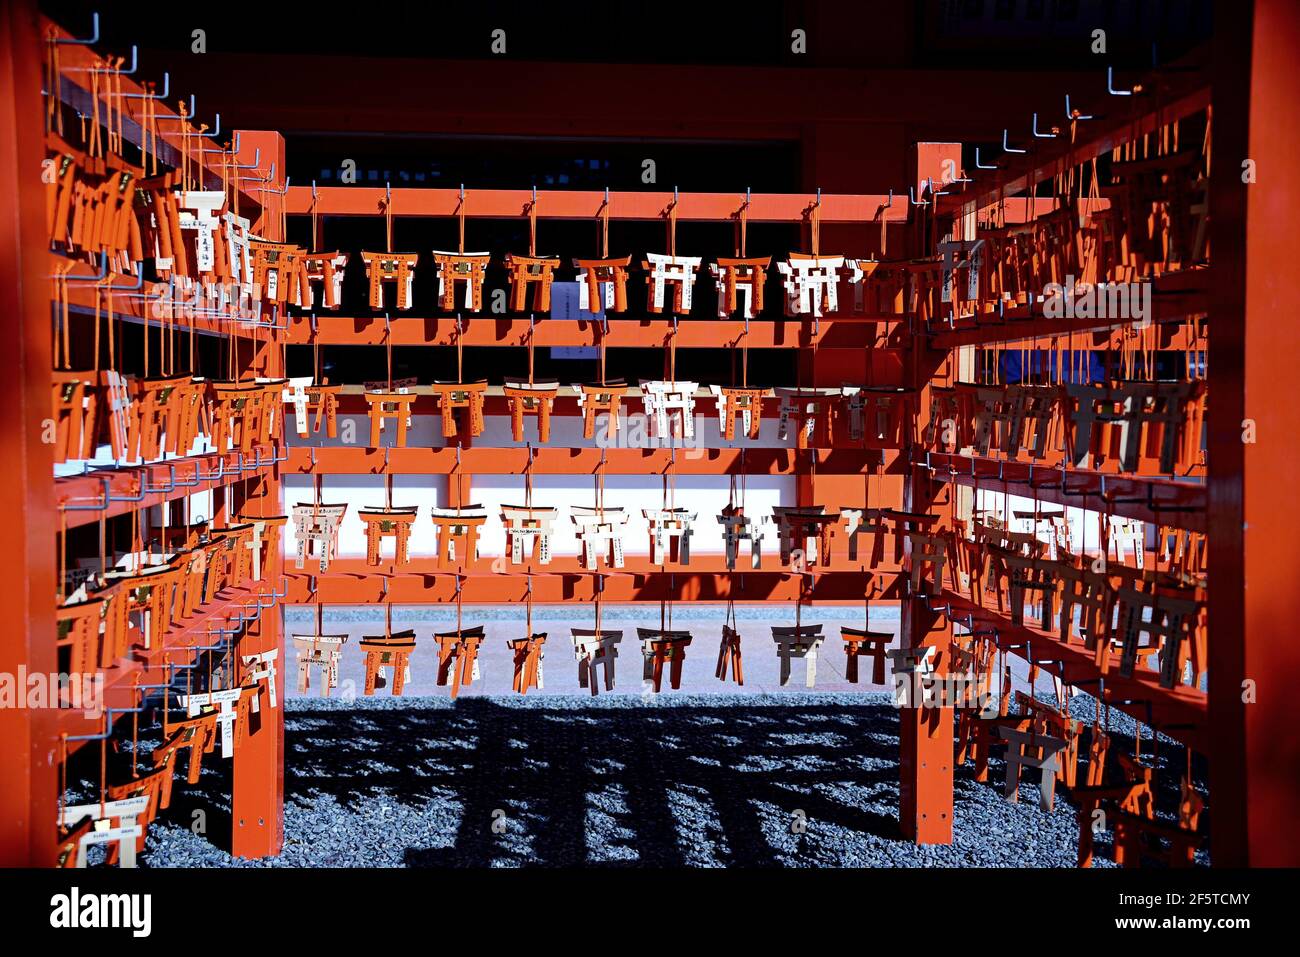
{"points": [[166, 91], [1110, 85], [1043, 136], [1009, 149], [978, 164], [103, 272], [93, 39], [1074, 114], [103, 69], [911, 196]]}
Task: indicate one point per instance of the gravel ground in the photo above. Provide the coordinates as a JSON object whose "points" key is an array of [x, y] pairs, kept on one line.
{"points": [[787, 780]]}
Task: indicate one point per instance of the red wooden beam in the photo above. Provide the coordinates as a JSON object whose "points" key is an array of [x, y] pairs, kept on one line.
{"points": [[590, 204]]}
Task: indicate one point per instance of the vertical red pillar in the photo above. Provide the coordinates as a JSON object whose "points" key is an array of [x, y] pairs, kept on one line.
{"points": [[925, 733], [28, 779], [1254, 351], [257, 804]]}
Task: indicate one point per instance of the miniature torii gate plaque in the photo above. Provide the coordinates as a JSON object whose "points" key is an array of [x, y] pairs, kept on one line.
{"points": [[669, 526], [743, 404], [536, 272], [740, 277], [602, 284], [458, 657], [317, 527], [530, 398], [671, 281], [384, 405], [458, 530], [528, 531], [658, 648], [393, 522], [737, 527], [601, 532], [798, 641], [811, 284], [594, 399], [397, 268], [388, 650], [593, 648], [467, 268], [323, 653], [528, 654], [466, 397], [661, 399]]}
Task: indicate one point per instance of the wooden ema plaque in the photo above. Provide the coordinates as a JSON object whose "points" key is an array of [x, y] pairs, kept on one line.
{"points": [[600, 530], [859, 642], [528, 654], [533, 273], [388, 651], [321, 652], [666, 400], [294, 395], [467, 269], [602, 284], [528, 532], [1110, 423], [595, 399], [111, 822], [458, 657], [811, 284], [197, 736], [463, 400], [74, 416], [535, 399], [729, 656], [458, 530], [804, 533], [670, 535], [386, 405], [243, 413], [397, 268], [798, 641], [316, 528], [165, 414], [1133, 794], [1032, 750], [392, 523], [156, 788], [737, 278], [325, 398], [326, 269], [658, 648], [812, 412], [864, 521], [77, 639], [595, 648], [280, 272], [881, 417], [741, 405], [263, 540], [670, 282], [149, 594], [737, 527]]}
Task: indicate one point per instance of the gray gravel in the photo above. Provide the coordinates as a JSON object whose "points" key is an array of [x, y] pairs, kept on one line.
{"points": [[684, 780]]}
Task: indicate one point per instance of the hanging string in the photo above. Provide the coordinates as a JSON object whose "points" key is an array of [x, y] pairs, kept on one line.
{"points": [[53, 86]]}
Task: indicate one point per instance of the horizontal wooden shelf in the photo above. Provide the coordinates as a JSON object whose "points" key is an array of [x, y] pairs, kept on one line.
{"points": [[1162, 501], [1175, 298], [353, 582], [831, 332], [1182, 712], [84, 498], [591, 204], [181, 646], [347, 460]]}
